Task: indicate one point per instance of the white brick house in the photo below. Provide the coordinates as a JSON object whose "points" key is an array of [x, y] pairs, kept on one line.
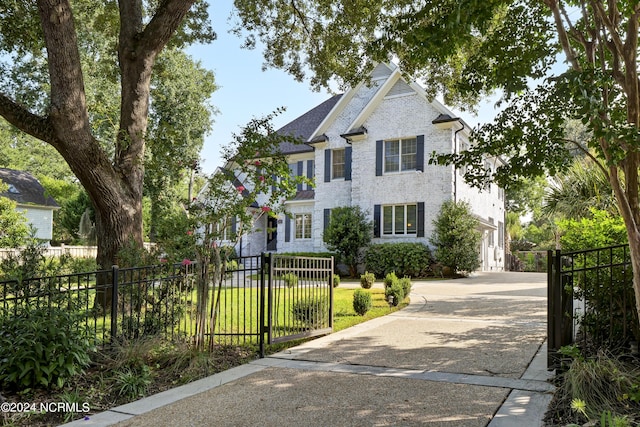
{"points": [[370, 147]]}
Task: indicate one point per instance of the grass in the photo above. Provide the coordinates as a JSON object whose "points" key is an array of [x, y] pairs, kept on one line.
{"points": [[344, 315], [147, 366]]}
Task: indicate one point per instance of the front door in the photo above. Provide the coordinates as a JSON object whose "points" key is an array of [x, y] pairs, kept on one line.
{"points": [[272, 233]]}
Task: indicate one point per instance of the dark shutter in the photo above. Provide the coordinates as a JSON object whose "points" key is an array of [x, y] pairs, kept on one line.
{"points": [[327, 218], [310, 174], [287, 228], [420, 219], [234, 225], [379, 154], [376, 220], [300, 172], [420, 153], [347, 164], [327, 165]]}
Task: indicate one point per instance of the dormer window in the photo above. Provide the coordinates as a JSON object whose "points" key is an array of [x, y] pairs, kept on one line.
{"points": [[13, 189]]}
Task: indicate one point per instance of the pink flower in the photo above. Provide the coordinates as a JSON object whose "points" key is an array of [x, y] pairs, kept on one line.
{"points": [[266, 209], [261, 178], [240, 188], [189, 232], [186, 261], [163, 260], [257, 163]]}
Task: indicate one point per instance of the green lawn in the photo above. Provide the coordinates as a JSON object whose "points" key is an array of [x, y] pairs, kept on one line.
{"points": [[344, 316]]}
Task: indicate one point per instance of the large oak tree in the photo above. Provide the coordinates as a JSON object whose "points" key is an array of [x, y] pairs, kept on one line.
{"points": [[49, 47]]}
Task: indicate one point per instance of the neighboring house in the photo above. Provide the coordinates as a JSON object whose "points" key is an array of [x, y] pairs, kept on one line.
{"points": [[370, 147], [31, 199]]}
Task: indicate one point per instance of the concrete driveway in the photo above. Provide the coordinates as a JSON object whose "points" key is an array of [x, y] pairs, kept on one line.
{"points": [[461, 354]]}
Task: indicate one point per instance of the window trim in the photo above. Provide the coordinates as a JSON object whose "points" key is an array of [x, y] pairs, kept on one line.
{"points": [[406, 232], [344, 164], [306, 225], [401, 143]]}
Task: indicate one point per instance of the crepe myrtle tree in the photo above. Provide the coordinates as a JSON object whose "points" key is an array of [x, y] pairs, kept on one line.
{"points": [[467, 49], [254, 182]]}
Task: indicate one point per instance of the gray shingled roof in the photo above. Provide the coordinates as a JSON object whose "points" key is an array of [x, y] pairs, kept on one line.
{"points": [[24, 189], [304, 126]]}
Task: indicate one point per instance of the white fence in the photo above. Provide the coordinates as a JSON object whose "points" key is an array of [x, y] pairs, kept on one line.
{"points": [[56, 251]]}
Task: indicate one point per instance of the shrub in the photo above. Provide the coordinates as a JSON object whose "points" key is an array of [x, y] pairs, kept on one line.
{"points": [[311, 312], [406, 259], [290, 280], [390, 279], [41, 347], [396, 291], [367, 280], [362, 301], [336, 280], [133, 383], [455, 237], [405, 282], [348, 233]]}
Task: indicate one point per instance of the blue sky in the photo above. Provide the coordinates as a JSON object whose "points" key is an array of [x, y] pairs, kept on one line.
{"points": [[245, 91]]}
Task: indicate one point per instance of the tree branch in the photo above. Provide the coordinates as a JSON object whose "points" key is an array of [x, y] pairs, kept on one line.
{"points": [[36, 126]]}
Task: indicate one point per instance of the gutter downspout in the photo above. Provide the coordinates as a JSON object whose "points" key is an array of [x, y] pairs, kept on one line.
{"points": [[455, 170]]}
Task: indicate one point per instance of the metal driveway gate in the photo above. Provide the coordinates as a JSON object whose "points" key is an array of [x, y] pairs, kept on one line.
{"points": [[299, 297]]}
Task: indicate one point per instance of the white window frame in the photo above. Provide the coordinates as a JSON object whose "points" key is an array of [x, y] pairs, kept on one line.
{"points": [[303, 226], [402, 144], [399, 218]]}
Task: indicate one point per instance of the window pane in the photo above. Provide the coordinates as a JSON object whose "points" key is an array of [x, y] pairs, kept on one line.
{"points": [[387, 216], [337, 164], [412, 219], [307, 226], [399, 219], [298, 226], [392, 156], [409, 153]]}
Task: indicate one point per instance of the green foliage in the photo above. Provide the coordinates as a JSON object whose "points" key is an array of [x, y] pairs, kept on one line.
{"points": [[133, 383], [406, 259], [602, 386], [455, 237], [41, 347], [336, 280], [405, 282], [367, 280], [313, 313], [362, 301], [348, 233], [390, 279], [12, 223], [395, 290], [290, 280], [597, 231]]}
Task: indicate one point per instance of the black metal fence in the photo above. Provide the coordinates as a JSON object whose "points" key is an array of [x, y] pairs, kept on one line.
{"points": [[591, 301], [277, 297]]}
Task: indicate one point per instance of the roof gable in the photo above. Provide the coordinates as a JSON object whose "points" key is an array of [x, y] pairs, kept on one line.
{"points": [[305, 126], [25, 189]]}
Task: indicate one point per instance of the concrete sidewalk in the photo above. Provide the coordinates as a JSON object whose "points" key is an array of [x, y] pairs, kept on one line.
{"points": [[463, 353]]}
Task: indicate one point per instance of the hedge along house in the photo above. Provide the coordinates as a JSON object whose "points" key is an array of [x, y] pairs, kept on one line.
{"points": [[31, 199], [369, 147]]}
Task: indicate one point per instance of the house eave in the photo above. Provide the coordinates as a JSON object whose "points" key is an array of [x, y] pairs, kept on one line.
{"points": [[357, 134]]}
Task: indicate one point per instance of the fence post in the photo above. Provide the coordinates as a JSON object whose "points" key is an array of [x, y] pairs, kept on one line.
{"points": [[554, 307], [114, 301], [264, 262]]}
